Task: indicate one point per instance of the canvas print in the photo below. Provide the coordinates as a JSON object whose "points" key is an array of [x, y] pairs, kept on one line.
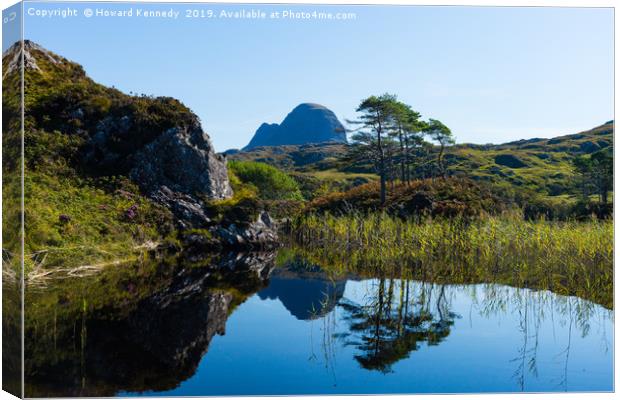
{"points": [[210, 199]]}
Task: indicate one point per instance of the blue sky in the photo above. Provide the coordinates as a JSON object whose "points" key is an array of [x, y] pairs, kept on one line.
{"points": [[491, 74]]}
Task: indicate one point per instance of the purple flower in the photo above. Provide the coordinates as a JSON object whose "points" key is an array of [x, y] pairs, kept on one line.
{"points": [[132, 212]]}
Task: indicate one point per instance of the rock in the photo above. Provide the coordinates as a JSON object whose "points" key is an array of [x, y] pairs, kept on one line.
{"points": [[30, 48], [189, 211], [183, 160], [98, 151], [307, 123], [260, 234], [509, 160]]}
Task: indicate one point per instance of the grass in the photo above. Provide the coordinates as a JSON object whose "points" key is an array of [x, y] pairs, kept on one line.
{"points": [[570, 258], [333, 174], [70, 224]]}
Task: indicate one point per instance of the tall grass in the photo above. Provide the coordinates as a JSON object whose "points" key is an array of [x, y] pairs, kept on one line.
{"points": [[573, 258]]}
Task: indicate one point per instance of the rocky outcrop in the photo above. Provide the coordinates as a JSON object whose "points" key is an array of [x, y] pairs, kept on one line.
{"points": [[307, 123], [260, 234], [14, 53], [156, 142], [180, 168], [182, 160], [188, 210]]}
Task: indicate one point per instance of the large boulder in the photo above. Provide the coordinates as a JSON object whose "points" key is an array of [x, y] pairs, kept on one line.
{"points": [[307, 123], [261, 234], [183, 160]]}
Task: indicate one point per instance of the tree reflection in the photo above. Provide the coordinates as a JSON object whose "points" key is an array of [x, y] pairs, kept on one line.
{"points": [[532, 309], [395, 320]]}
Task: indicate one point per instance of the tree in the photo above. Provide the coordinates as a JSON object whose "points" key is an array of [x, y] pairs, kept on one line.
{"points": [[583, 166], [596, 172], [603, 170], [441, 134], [372, 138], [407, 129], [386, 327]]}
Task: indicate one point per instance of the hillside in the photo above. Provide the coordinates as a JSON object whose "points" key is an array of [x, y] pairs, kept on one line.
{"points": [[541, 165], [106, 173], [544, 165], [307, 123]]}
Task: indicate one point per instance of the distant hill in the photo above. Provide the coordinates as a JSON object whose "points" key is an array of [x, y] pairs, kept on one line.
{"points": [[541, 165], [307, 123]]}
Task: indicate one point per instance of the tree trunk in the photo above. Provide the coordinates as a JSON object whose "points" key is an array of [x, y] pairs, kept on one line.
{"points": [[442, 169], [382, 163], [402, 154], [407, 166], [383, 188]]}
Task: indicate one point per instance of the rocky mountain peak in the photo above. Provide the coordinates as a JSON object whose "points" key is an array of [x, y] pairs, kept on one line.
{"points": [[307, 123]]}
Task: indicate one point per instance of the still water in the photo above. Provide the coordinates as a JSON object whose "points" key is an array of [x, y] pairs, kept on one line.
{"points": [[297, 330]]}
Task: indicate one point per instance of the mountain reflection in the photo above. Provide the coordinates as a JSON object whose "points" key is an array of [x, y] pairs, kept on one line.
{"points": [[304, 290]]}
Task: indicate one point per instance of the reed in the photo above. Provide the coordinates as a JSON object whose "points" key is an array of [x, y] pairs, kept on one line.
{"points": [[570, 257]]}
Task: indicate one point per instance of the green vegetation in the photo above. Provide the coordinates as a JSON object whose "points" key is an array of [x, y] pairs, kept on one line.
{"points": [[597, 174], [539, 172], [519, 213], [270, 182], [428, 197], [573, 258], [81, 209], [73, 223]]}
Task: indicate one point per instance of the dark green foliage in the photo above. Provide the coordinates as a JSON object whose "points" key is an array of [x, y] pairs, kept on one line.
{"points": [[509, 160], [442, 135], [596, 172], [242, 213]]}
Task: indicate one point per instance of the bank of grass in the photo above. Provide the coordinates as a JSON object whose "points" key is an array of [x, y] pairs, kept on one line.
{"points": [[571, 258], [71, 223]]}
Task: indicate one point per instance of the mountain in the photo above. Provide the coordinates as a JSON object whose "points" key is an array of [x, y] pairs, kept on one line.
{"points": [[307, 123]]}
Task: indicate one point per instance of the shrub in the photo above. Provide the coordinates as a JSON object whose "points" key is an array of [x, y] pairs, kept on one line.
{"points": [[271, 183], [439, 197]]}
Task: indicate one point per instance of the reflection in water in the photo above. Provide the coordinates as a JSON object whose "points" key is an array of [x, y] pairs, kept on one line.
{"points": [[304, 290], [394, 320], [175, 327], [154, 345], [11, 334]]}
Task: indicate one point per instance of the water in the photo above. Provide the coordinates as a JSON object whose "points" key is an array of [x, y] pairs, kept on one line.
{"points": [[297, 330]]}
